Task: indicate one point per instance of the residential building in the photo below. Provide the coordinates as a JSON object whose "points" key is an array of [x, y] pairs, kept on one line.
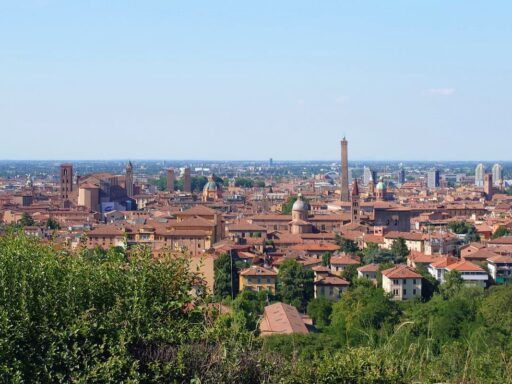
{"points": [[402, 282], [500, 268], [256, 278], [471, 273]]}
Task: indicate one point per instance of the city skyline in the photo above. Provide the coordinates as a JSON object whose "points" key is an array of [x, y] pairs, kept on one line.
{"points": [[230, 81]]}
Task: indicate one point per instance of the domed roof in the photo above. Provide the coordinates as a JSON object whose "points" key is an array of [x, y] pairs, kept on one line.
{"points": [[381, 184], [211, 185], [300, 205]]}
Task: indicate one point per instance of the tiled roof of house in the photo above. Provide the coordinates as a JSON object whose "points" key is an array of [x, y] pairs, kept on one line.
{"points": [[465, 266], [258, 271], [500, 259], [401, 272], [481, 254], [444, 261], [280, 318], [332, 280], [369, 268], [345, 259], [409, 236]]}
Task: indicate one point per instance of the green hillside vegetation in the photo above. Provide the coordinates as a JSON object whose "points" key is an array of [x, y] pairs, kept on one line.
{"points": [[108, 317]]}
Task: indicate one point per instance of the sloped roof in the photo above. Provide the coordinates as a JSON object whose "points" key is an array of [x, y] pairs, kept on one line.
{"points": [[198, 210], [258, 271], [280, 318], [331, 280], [401, 272], [465, 266], [369, 268]]}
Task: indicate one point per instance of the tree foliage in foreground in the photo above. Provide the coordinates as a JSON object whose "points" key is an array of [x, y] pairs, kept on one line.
{"points": [[98, 316]]}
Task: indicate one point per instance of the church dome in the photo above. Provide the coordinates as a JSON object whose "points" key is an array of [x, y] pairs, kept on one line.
{"points": [[299, 205], [211, 185], [381, 185]]}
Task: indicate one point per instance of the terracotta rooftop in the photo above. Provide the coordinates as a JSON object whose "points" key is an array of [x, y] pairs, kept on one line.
{"points": [[444, 261], [280, 318], [465, 266], [500, 259], [316, 247], [258, 271], [345, 259], [369, 268], [401, 272], [331, 280]]}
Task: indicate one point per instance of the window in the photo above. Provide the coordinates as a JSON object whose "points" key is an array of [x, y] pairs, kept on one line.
{"points": [[404, 281], [414, 292], [414, 281], [268, 280], [405, 292], [395, 282]]}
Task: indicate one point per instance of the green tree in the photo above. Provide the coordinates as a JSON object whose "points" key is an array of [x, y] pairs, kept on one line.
{"points": [[399, 250], [500, 232], [362, 312], [350, 272], [346, 245], [295, 284], [225, 277], [260, 183], [370, 253], [320, 310], [52, 224], [26, 220], [452, 284], [287, 207], [198, 183], [77, 319], [496, 308], [326, 259], [243, 182], [251, 305], [429, 284]]}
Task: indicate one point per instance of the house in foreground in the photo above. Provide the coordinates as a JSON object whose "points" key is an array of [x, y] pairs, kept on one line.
{"points": [[283, 319]]}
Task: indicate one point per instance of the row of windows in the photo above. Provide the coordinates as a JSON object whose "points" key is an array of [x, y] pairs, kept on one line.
{"points": [[259, 280], [404, 292], [404, 281]]}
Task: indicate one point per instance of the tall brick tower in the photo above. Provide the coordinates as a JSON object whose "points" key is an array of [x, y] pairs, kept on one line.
{"points": [[488, 186], [355, 203], [345, 195], [187, 180], [129, 179], [170, 180], [66, 181]]}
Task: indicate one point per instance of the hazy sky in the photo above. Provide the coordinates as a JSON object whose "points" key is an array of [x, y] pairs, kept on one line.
{"points": [[408, 80]]}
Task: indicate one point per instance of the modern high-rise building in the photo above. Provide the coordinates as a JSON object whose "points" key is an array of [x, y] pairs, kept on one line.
{"points": [[66, 181], [170, 180], [401, 176], [497, 174], [187, 180], [345, 194], [479, 175], [433, 179], [129, 179]]}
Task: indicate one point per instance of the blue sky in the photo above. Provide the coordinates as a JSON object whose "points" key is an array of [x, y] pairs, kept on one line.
{"points": [[406, 80]]}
